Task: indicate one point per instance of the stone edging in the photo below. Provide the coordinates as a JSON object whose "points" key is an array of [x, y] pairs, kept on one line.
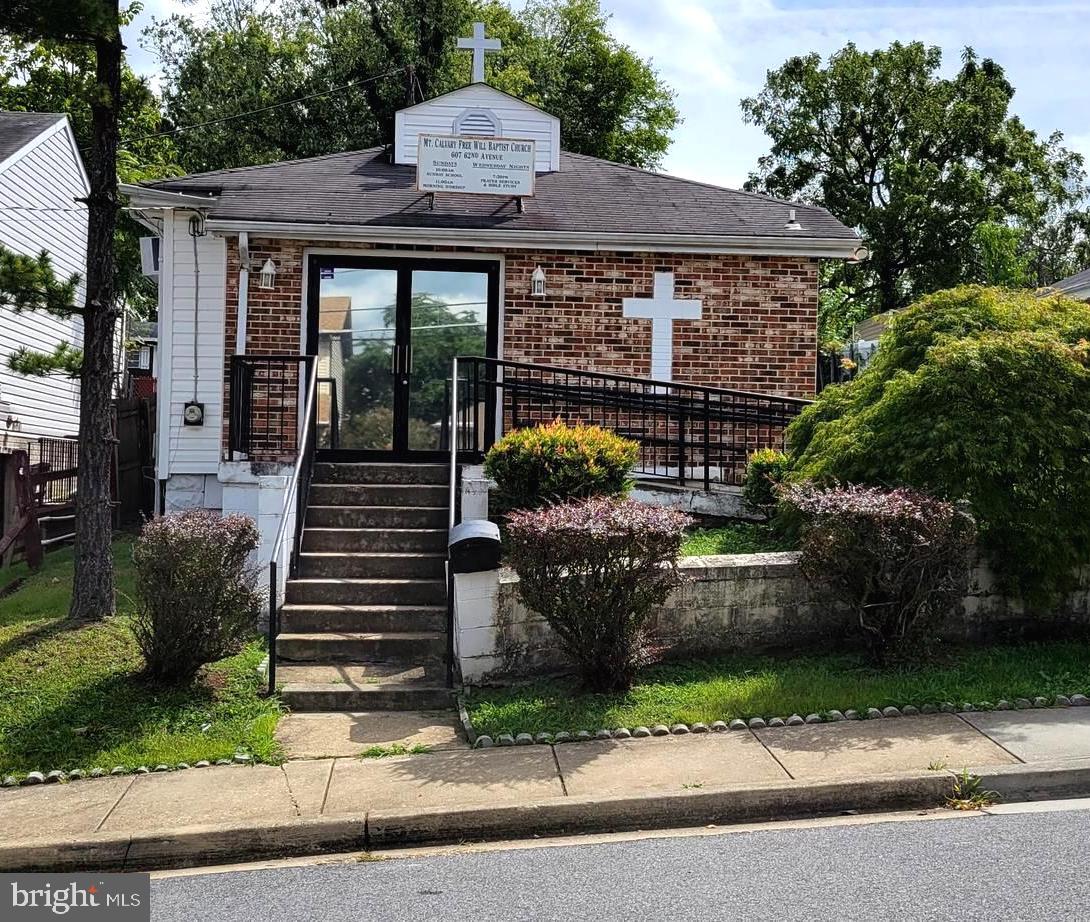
{"points": [[58, 777], [757, 723]]}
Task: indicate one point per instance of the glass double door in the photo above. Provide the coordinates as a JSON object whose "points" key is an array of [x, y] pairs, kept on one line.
{"points": [[384, 332]]}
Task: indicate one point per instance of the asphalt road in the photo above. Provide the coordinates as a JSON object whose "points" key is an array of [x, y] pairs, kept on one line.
{"points": [[1029, 866]]}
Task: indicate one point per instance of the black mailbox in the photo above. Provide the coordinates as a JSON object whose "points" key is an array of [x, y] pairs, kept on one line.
{"points": [[474, 546]]}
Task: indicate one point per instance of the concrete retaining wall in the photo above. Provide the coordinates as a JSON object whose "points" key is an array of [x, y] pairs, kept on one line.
{"points": [[729, 603]]}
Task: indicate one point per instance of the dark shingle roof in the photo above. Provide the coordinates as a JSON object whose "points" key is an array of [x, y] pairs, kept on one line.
{"points": [[587, 195], [1076, 282], [20, 128]]}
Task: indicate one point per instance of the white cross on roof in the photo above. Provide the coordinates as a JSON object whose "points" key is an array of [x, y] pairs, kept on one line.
{"points": [[480, 46]]}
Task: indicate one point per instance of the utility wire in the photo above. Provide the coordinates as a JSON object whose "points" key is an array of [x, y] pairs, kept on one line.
{"points": [[269, 108]]}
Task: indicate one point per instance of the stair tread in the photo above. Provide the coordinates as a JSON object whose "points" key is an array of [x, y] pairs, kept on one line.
{"points": [[369, 580], [356, 677], [373, 554], [361, 635], [354, 506], [362, 609], [398, 528]]}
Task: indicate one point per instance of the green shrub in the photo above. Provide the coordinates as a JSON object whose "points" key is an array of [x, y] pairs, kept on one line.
{"points": [[197, 602], [556, 462], [981, 395], [764, 473], [594, 569], [898, 559]]}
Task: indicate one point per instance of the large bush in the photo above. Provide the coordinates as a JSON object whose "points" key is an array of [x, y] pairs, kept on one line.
{"points": [[556, 462], [980, 395], [594, 569], [897, 558], [197, 601]]}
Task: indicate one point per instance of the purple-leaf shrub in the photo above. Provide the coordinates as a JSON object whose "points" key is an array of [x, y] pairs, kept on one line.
{"points": [[594, 569], [197, 601], [898, 558]]}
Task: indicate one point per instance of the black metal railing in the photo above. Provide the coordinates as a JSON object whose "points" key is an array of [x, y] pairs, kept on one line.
{"points": [[265, 395], [298, 490], [685, 431]]}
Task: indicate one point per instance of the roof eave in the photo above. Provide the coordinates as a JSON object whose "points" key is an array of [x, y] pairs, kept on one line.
{"points": [[146, 197], [815, 247]]}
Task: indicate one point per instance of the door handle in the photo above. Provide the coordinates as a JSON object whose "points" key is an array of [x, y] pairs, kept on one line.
{"points": [[393, 360]]}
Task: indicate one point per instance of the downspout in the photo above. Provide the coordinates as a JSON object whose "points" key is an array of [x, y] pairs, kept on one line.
{"points": [[243, 291]]}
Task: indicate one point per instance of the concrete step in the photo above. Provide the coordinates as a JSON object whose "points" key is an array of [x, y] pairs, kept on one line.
{"points": [[376, 516], [378, 494], [335, 591], [363, 686], [375, 539], [373, 564], [310, 619], [363, 472], [358, 646]]}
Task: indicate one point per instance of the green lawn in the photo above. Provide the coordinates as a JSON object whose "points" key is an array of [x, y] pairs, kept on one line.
{"points": [[72, 696], [737, 538], [769, 687]]}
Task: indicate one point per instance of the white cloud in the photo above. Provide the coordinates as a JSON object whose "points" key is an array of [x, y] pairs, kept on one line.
{"points": [[715, 52]]}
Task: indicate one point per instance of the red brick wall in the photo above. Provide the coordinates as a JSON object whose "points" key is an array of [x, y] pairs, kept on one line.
{"points": [[757, 332], [758, 329]]}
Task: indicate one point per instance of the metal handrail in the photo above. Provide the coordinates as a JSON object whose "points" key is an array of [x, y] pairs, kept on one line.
{"points": [[304, 459], [681, 427]]}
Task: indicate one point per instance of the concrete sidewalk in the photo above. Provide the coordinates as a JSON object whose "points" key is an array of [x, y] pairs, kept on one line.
{"points": [[222, 813]]}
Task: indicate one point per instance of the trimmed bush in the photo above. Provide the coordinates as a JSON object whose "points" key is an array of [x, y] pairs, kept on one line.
{"points": [[898, 559], [594, 569], [764, 474], [981, 395], [555, 463], [197, 602]]}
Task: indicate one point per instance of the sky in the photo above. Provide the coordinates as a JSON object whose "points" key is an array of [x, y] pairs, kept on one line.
{"points": [[716, 52]]}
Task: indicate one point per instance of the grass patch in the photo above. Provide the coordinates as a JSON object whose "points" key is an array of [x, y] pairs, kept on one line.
{"points": [[394, 749], [72, 695], [750, 686], [736, 538]]}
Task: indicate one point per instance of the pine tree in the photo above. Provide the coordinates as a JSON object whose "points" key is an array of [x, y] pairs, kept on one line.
{"points": [[96, 24]]}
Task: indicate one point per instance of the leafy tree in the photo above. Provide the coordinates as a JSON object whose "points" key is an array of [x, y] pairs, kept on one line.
{"points": [[558, 54], [914, 160], [94, 24], [980, 395]]}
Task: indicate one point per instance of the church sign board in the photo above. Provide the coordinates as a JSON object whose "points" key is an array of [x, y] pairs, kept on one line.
{"points": [[477, 165]]}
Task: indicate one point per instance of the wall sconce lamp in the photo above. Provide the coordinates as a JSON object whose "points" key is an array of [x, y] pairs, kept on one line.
{"points": [[537, 283], [268, 274]]}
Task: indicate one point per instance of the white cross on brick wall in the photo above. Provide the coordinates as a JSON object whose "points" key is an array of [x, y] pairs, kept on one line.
{"points": [[662, 310]]}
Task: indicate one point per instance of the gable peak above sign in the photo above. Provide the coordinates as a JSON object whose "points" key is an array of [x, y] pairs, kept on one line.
{"points": [[482, 111], [480, 46]]}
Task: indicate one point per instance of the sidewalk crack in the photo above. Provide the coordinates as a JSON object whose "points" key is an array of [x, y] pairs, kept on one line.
{"points": [[977, 729], [328, 784], [771, 753], [120, 797], [291, 793], [559, 773]]}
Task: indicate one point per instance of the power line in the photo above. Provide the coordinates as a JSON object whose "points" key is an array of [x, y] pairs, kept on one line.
{"points": [[269, 108]]}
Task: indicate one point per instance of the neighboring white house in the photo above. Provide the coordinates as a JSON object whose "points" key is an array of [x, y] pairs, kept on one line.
{"points": [[42, 184]]}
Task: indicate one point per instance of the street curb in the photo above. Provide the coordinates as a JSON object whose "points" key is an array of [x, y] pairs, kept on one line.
{"points": [[381, 829], [203, 845]]}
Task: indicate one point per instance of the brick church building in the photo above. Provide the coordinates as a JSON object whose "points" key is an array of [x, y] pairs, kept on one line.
{"points": [[356, 278]]}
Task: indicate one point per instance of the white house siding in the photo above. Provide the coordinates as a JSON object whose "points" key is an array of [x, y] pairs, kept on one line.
{"points": [[38, 212], [517, 120], [191, 449]]}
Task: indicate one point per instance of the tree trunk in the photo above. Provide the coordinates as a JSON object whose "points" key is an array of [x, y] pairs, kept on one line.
{"points": [[93, 587]]}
